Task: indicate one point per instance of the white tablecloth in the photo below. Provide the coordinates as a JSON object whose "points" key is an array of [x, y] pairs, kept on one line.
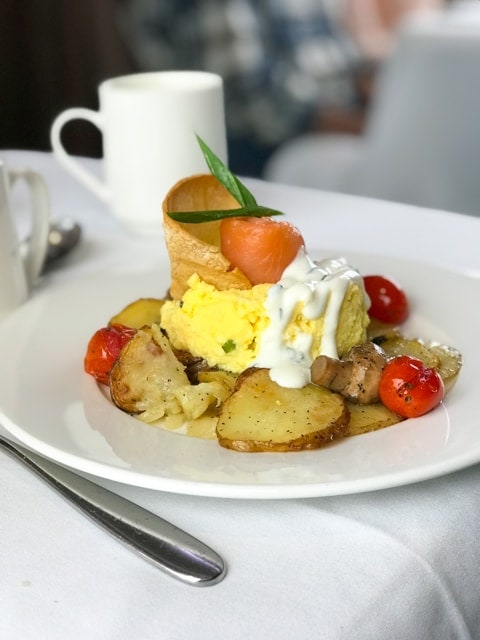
{"points": [[398, 564]]}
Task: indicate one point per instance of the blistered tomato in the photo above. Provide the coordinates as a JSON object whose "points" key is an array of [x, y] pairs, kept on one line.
{"points": [[104, 348], [388, 301], [409, 388]]}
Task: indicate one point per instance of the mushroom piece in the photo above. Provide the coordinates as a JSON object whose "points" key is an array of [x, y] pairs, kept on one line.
{"points": [[356, 377]]}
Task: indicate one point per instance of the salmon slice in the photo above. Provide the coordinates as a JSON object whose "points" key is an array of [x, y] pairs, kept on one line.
{"points": [[260, 247]]}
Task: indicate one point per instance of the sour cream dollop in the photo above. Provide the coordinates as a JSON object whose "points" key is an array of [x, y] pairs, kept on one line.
{"points": [[321, 287]]}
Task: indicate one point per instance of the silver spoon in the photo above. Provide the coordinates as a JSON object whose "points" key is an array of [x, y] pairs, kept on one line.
{"points": [[171, 549], [64, 235]]}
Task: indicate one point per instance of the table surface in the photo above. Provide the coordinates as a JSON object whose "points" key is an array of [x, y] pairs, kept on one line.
{"points": [[400, 563]]}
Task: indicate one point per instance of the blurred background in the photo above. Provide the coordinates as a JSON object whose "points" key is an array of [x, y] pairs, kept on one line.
{"points": [[304, 83], [53, 55], [280, 61]]}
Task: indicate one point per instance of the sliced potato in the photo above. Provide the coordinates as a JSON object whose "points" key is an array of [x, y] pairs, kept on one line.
{"points": [[381, 330], [371, 417], [223, 378], [147, 376], [400, 346], [197, 398], [450, 363], [204, 426], [260, 415], [446, 360], [141, 313], [220, 385], [150, 381]]}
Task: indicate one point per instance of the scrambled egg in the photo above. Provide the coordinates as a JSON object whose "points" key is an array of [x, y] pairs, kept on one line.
{"points": [[222, 327], [225, 327]]}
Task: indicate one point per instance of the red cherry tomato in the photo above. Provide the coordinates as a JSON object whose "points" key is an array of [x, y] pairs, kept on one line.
{"points": [[388, 301], [104, 348], [409, 388]]}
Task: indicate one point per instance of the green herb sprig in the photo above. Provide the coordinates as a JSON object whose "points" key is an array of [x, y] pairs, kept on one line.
{"points": [[246, 200]]}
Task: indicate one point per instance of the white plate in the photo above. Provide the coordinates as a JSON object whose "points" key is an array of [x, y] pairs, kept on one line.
{"points": [[49, 404]]}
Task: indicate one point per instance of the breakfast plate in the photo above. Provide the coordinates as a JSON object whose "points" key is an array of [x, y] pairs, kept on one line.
{"points": [[50, 405]]}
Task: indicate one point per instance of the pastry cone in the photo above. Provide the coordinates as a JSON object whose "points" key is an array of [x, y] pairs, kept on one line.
{"points": [[195, 247]]}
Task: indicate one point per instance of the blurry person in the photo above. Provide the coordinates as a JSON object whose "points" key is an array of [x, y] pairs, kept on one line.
{"points": [[373, 23], [287, 65], [373, 26]]}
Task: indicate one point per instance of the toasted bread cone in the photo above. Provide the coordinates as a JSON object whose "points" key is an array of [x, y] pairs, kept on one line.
{"points": [[195, 248]]}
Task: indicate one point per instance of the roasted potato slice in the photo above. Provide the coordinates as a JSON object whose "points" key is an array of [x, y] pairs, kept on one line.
{"points": [[141, 313], [371, 417], [446, 360], [450, 363], [217, 386], [150, 381], [399, 346], [381, 330], [203, 427], [262, 416], [225, 379], [195, 399], [147, 376]]}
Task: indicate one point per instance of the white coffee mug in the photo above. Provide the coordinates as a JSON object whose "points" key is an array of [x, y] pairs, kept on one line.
{"points": [[149, 123], [19, 270]]}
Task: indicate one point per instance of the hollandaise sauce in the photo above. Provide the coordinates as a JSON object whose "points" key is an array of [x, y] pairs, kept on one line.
{"points": [[312, 289]]}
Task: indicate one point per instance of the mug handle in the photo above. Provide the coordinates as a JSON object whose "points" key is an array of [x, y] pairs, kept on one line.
{"points": [[37, 243], [87, 178]]}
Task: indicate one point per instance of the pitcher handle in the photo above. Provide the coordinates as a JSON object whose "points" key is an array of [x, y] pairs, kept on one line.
{"points": [[37, 243]]}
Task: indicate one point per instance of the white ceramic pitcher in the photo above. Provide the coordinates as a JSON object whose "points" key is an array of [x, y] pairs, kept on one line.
{"points": [[19, 270]]}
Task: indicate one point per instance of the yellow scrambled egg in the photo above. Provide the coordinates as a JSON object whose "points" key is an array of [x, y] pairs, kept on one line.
{"points": [[225, 327]]}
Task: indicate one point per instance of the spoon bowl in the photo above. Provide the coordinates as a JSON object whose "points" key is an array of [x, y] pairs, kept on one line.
{"points": [[64, 235]]}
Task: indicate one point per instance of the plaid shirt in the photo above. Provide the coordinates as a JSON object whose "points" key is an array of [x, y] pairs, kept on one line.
{"points": [[281, 60]]}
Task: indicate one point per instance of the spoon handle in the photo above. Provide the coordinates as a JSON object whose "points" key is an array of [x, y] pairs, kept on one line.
{"points": [[171, 549]]}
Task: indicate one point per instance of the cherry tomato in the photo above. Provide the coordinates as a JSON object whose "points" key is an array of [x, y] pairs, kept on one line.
{"points": [[409, 388], [388, 301], [103, 349]]}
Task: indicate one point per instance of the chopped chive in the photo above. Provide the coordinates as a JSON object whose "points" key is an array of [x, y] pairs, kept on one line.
{"points": [[229, 346]]}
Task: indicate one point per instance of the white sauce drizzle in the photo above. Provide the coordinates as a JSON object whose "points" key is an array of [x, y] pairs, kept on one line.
{"points": [[321, 287]]}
